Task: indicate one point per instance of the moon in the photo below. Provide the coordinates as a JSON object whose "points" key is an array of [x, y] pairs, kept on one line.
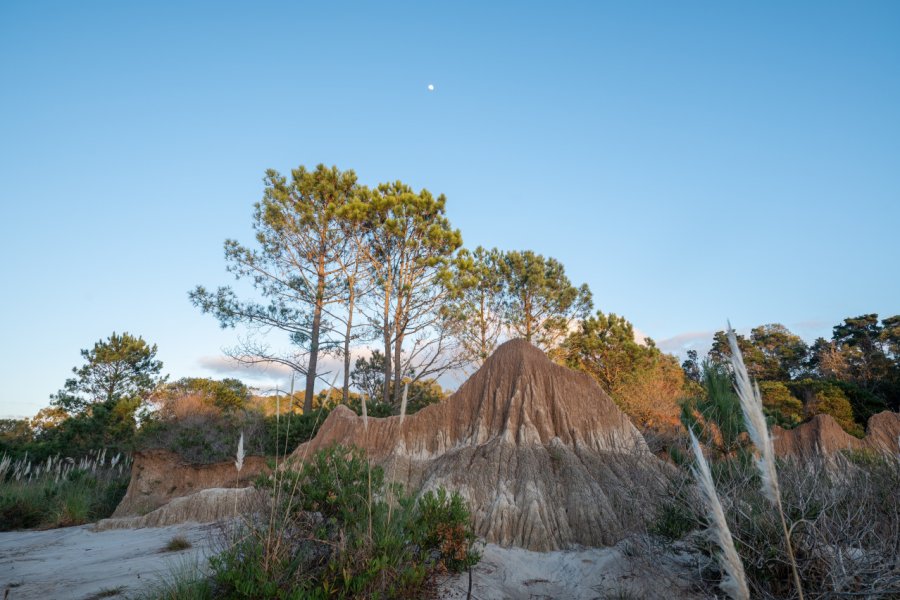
{"points": [[430, 87]]}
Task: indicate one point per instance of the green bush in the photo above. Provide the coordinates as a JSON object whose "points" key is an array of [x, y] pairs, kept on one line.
{"points": [[336, 530], [863, 402], [716, 414], [824, 397], [286, 432], [444, 525], [780, 405], [205, 437]]}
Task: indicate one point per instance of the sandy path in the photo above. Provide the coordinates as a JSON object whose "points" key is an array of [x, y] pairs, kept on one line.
{"points": [[622, 571], [77, 563]]}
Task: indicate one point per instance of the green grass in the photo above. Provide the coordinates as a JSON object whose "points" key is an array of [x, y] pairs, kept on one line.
{"points": [[187, 580], [70, 496]]}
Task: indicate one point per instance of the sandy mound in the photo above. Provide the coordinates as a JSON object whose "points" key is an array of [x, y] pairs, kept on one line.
{"points": [[543, 455], [158, 476], [205, 506], [823, 436]]}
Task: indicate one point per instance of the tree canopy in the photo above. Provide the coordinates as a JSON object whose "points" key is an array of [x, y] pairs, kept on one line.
{"points": [[295, 268], [122, 367], [540, 303]]}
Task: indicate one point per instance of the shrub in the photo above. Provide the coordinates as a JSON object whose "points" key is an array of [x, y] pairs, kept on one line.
{"points": [[334, 529], [780, 405], [177, 544], [284, 433], [844, 517], [716, 413], [673, 518], [444, 525], [204, 436], [823, 397], [863, 402]]}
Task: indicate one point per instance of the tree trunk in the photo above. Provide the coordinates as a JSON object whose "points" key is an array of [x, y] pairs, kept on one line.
{"points": [[345, 396], [386, 330], [483, 342], [399, 328], [314, 338], [398, 367], [528, 324]]}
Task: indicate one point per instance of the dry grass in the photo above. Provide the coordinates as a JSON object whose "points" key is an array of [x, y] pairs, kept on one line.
{"points": [[735, 582], [755, 421], [824, 528], [177, 544]]}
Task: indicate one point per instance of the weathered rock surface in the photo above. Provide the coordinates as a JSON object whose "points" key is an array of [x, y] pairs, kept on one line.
{"points": [[542, 454], [823, 436], [158, 476], [205, 506]]}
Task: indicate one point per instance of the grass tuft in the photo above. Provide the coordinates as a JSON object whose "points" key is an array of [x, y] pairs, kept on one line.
{"points": [[177, 544]]}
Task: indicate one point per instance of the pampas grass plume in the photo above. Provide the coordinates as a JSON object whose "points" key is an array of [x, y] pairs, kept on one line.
{"points": [[239, 463], [755, 421], [735, 582]]}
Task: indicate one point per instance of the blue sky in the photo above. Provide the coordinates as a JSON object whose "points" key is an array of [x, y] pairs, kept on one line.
{"points": [[690, 161]]}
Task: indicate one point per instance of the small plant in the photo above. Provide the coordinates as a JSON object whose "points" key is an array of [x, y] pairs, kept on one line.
{"points": [[186, 580], [177, 544], [444, 522], [107, 593]]}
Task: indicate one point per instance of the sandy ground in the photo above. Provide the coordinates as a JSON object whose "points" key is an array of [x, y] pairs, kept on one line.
{"points": [[627, 570], [77, 563], [80, 564]]}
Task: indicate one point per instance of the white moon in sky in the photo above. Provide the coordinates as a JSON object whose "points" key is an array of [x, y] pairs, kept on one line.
{"points": [[430, 87]]}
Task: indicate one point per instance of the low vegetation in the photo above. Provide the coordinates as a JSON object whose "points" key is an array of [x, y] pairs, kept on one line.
{"points": [[58, 492], [336, 529], [812, 528], [177, 544]]}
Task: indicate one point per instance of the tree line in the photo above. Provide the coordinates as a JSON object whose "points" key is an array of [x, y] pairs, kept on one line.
{"points": [[851, 376], [339, 266]]}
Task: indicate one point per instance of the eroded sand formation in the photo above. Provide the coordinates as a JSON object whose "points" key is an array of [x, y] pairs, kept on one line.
{"points": [[544, 457], [822, 435], [159, 476]]}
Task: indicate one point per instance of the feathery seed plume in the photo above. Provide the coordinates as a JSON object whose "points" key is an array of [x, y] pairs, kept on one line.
{"points": [[735, 582], [239, 463], [755, 421]]}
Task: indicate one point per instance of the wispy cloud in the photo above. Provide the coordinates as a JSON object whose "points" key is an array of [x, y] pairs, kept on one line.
{"points": [[691, 340], [228, 367], [272, 375]]}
